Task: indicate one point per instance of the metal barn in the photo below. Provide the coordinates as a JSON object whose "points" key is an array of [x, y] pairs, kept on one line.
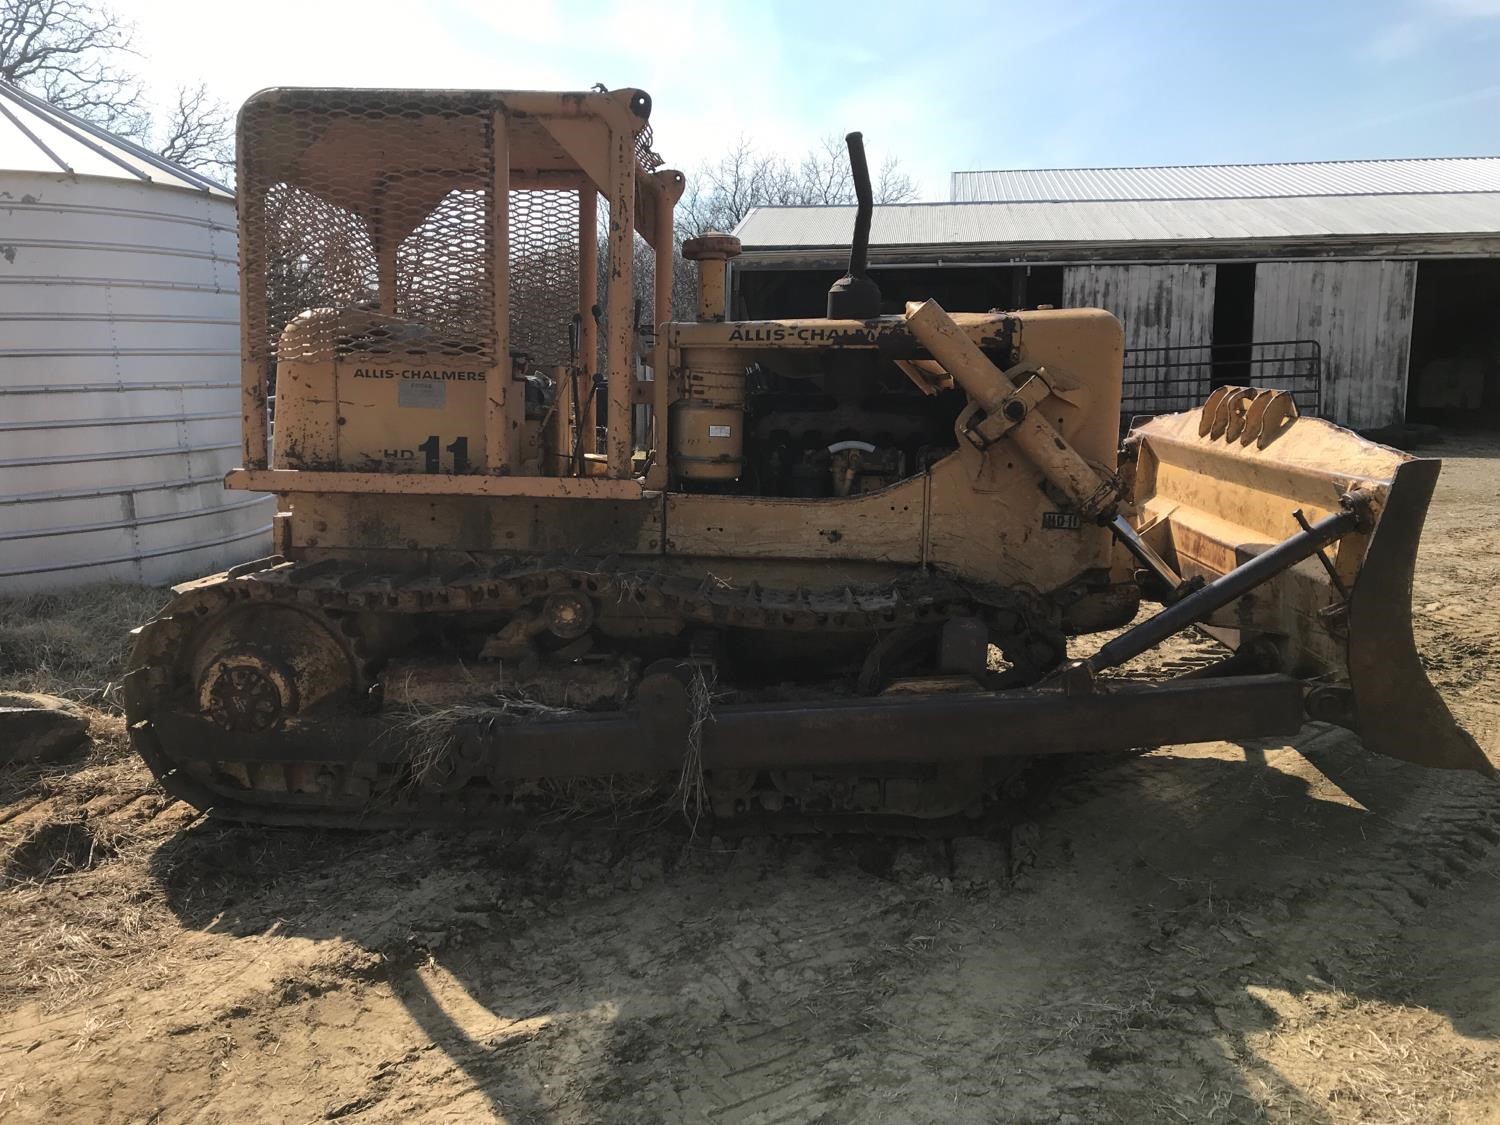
{"points": [[1368, 287]]}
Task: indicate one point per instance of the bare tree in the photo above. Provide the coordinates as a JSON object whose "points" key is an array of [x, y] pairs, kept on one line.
{"points": [[198, 132], [823, 177], [77, 55], [69, 52], [723, 192]]}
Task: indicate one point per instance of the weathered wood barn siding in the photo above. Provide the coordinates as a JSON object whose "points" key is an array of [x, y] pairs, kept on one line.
{"points": [[1161, 306], [1360, 315]]}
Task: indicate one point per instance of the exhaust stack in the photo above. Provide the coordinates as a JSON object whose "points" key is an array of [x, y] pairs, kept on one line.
{"points": [[854, 296]]}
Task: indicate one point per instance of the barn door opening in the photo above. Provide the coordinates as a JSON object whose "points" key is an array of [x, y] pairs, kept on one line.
{"points": [[1455, 346], [1234, 322]]}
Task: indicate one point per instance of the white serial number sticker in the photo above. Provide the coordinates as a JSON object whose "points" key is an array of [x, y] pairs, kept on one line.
{"points": [[431, 396], [718, 431]]}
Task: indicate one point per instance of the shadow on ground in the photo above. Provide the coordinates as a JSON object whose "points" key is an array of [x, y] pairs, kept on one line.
{"points": [[566, 974]]}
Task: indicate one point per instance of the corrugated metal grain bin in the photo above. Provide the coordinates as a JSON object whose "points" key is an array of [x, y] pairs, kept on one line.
{"points": [[119, 361]]}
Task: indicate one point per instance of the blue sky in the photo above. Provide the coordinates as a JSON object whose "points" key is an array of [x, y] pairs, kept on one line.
{"points": [[942, 86]]}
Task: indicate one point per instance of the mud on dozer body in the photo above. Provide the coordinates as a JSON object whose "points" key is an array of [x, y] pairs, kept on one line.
{"points": [[532, 531]]}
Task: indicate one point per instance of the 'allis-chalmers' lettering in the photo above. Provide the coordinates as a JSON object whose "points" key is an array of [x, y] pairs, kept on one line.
{"points": [[808, 334], [419, 373]]}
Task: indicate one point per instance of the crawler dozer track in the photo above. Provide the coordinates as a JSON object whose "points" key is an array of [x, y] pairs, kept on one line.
{"points": [[282, 692]]}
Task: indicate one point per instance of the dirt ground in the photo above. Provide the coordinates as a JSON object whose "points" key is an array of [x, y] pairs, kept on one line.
{"points": [[1287, 933]]}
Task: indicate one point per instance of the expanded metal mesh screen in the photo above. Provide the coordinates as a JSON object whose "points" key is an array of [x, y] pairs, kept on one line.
{"points": [[375, 204], [442, 276], [367, 203], [645, 153], [543, 274], [316, 255]]}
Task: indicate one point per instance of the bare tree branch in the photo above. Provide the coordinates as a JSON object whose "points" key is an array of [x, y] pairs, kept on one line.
{"points": [[723, 192], [198, 132], [892, 185], [68, 52]]}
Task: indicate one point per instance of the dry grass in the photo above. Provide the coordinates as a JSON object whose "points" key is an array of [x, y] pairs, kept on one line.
{"points": [[74, 643], [1369, 1060], [76, 837], [427, 736], [428, 740], [62, 952], [692, 794], [77, 898], [112, 798], [1102, 1023]]}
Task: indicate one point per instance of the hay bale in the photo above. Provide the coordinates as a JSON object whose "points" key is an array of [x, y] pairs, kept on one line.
{"points": [[40, 728]]}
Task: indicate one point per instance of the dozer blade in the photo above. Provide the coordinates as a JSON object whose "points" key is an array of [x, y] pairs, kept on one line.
{"points": [[1217, 486], [1399, 712]]}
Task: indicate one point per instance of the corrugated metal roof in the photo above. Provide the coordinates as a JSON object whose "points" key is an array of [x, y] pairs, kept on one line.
{"points": [[1231, 181], [36, 136], [1191, 220]]}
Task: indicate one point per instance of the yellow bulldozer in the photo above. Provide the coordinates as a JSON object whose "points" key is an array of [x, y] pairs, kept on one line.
{"points": [[822, 567]]}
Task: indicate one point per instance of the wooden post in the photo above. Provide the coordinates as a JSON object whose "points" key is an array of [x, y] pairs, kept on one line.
{"points": [[619, 345], [499, 438], [588, 296]]}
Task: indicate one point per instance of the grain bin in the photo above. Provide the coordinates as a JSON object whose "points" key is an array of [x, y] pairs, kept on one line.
{"points": [[119, 361]]}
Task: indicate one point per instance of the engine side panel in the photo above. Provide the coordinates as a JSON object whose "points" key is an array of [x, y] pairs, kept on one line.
{"points": [[984, 515]]}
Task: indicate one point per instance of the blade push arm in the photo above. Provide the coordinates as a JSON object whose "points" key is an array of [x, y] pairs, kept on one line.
{"points": [[1009, 411]]}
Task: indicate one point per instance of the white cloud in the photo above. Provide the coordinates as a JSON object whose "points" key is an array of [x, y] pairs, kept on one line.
{"points": [[1399, 40], [1423, 108], [1429, 20], [1469, 9]]}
